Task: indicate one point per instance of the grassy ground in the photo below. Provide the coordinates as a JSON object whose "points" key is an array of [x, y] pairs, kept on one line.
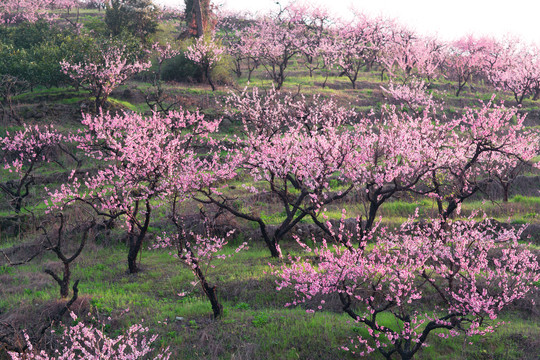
{"points": [[256, 325]]}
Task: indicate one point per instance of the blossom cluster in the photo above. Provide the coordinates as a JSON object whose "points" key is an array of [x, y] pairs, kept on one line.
{"points": [[85, 341], [16, 11], [28, 146], [205, 52], [103, 75]]}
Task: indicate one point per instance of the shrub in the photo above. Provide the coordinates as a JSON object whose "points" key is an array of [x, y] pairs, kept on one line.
{"points": [[181, 69]]}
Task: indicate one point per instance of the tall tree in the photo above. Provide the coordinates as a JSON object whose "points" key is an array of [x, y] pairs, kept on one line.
{"points": [[199, 17], [138, 17], [139, 155]]}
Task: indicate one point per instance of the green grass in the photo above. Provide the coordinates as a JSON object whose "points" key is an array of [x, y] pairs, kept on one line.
{"points": [[255, 321], [526, 200], [69, 96], [519, 210], [70, 101], [126, 104], [40, 91]]}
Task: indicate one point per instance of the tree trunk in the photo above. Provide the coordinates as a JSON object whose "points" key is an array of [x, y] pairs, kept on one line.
{"points": [[452, 206], [132, 259], [273, 247], [99, 102], [64, 289], [406, 356], [353, 81], [440, 207], [64, 286], [536, 94], [325, 80], [372, 215], [506, 190], [198, 17], [135, 242], [271, 242], [211, 294], [62, 282], [209, 291], [208, 77], [520, 101]]}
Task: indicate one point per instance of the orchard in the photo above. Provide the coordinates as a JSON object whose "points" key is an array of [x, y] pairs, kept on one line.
{"points": [[198, 183]]}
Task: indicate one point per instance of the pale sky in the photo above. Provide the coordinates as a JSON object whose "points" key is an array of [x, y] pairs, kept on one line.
{"points": [[449, 19]]}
